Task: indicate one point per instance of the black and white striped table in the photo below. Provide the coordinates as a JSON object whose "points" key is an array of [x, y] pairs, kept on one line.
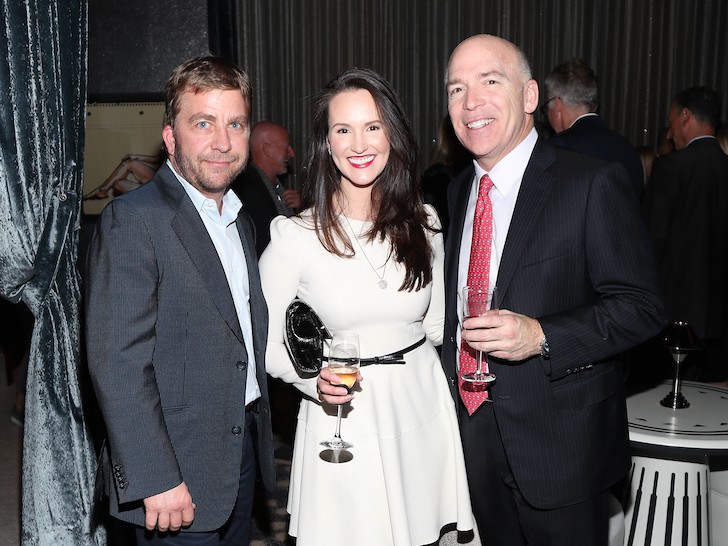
{"points": [[673, 450]]}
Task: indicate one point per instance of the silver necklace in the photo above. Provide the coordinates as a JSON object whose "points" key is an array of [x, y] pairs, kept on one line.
{"points": [[382, 283]]}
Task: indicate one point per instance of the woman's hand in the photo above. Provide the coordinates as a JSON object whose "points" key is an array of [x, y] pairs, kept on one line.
{"points": [[331, 389]]}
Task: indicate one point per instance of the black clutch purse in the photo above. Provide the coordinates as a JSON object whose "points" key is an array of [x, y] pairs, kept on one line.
{"points": [[304, 338]]}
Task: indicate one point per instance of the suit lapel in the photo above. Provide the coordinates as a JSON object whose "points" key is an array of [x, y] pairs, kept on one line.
{"points": [[532, 196], [191, 231], [258, 309], [459, 194]]}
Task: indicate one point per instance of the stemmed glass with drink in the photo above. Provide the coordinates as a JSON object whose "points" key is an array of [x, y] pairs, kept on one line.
{"points": [[343, 360], [476, 301]]}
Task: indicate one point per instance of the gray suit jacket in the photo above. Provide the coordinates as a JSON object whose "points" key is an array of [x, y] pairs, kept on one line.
{"points": [[577, 258], [167, 356]]}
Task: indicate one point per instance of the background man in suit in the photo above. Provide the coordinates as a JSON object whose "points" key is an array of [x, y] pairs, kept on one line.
{"points": [[177, 326], [686, 209], [571, 108], [258, 185], [571, 260], [264, 197]]}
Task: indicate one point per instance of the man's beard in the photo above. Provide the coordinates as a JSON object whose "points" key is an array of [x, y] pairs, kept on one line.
{"points": [[192, 172]]}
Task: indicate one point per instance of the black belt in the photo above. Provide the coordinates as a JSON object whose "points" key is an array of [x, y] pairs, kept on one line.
{"points": [[396, 357]]}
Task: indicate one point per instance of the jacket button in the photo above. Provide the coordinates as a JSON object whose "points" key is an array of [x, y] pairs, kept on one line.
{"points": [[236, 430], [241, 365]]}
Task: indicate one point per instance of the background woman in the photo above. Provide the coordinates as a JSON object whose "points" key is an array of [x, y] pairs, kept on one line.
{"points": [[365, 253]]}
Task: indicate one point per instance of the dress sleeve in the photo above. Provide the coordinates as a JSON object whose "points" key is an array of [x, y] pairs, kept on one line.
{"points": [[434, 321], [280, 272]]}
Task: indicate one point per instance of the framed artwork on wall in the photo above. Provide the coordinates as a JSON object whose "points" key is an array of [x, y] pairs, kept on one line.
{"points": [[123, 150]]}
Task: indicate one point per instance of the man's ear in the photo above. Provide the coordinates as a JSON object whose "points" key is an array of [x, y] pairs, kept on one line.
{"points": [[168, 138], [685, 116], [530, 96]]}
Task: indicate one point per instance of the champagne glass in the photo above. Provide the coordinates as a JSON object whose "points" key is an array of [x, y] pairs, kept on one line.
{"points": [[344, 362], [476, 301]]}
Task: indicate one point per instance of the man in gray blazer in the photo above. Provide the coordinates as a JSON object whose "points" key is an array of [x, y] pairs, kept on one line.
{"points": [[177, 327], [577, 285]]}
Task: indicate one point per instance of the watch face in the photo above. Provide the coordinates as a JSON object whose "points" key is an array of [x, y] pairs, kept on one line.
{"points": [[544, 348]]}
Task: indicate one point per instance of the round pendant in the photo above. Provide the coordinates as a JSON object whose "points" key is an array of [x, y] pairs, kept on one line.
{"points": [[382, 284]]}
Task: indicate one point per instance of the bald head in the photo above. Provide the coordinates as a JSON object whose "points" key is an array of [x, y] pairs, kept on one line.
{"points": [[491, 97], [270, 148], [489, 41]]}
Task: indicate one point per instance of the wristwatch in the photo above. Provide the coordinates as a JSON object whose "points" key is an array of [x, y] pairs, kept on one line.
{"points": [[544, 347]]}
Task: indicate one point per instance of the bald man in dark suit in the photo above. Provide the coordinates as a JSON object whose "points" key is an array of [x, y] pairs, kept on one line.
{"points": [[576, 286]]}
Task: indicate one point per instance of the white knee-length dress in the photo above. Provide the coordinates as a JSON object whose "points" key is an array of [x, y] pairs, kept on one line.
{"points": [[407, 478]]}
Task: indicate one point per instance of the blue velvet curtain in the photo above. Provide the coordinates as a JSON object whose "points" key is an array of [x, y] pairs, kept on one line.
{"points": [[42, 104]]}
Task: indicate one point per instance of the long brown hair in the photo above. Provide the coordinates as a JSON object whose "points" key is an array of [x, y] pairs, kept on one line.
{"points": [[397, 208]]}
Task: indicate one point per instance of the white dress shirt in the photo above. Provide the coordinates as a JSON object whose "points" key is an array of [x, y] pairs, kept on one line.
{"points": [[224, 234], [506, 176]]}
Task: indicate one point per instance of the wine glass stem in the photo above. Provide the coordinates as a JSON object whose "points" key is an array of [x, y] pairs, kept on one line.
{"points": [[337, 434], [478, 362]]}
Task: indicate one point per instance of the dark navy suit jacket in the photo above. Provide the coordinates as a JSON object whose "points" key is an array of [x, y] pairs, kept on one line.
{"points": [[686, 209], [591, 136], [578, 259], [257, 203]]}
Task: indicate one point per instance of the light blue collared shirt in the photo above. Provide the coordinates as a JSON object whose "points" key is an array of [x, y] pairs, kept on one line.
{"points": [[223, 231]]}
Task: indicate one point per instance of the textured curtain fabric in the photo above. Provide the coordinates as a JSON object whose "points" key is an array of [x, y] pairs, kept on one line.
{"points": [[643, 51], [42, 103], [222, 28]]}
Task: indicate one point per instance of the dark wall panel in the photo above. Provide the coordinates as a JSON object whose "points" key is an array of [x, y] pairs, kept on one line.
{"points": [[135, 44], [643, 51]]}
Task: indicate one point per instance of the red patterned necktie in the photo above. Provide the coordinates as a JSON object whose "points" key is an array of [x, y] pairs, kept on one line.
{"points": [[474, 395]]}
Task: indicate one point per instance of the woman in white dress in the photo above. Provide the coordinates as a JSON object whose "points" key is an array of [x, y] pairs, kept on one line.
{"points": [[367, 255]]}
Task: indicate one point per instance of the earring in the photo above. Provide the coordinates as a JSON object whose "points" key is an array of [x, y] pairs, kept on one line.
{"points": [[329, 149]]}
